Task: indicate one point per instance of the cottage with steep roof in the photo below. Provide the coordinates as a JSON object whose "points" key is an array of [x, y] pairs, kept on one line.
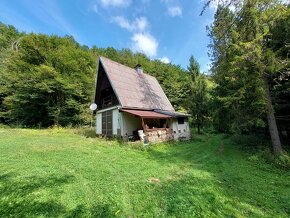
{"points": [[133, 106]]}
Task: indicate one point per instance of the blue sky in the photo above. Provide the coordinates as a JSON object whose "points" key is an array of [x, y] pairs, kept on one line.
{"points": [[169, 30]]}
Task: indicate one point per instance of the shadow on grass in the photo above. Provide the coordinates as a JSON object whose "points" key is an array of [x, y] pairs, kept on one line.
{"points": [[22, 198], [19, 196], [194, 197], [221, 182]]}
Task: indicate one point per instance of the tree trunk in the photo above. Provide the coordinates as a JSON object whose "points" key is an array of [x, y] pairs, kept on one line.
{"points": [[276, 143]]}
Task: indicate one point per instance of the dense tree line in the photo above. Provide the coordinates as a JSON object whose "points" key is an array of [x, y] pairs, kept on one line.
{"points": [[49, 80], [250, 54], [45, 80]]}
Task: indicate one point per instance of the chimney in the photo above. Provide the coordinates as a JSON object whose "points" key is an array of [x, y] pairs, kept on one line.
{"points": [[139, 69]]}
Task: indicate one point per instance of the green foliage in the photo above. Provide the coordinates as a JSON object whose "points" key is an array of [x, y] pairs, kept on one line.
{"points": [[55, 172], [49, 80], [284, 160], [193, 68], [265, 155], [8, 36], [280, 44], [252, 142], [241, 60], [198, 100]]}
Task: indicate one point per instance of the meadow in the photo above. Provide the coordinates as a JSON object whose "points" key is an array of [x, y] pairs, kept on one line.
{"points": [[64, 173]]}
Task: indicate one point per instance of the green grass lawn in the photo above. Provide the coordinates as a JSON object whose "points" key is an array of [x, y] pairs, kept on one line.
{"points": [[57, 173]]}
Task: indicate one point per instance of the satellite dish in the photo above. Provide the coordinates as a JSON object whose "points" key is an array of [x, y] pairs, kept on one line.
{"points": [[93, 106]]}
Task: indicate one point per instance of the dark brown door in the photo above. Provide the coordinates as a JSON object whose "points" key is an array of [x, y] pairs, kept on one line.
{"points": [[107, 123]]}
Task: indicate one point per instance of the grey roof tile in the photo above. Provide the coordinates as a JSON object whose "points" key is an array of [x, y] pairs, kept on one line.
{"points": [[135, 90]]}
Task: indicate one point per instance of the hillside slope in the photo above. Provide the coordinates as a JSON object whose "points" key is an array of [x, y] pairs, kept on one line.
{"points": [[60, 173]]}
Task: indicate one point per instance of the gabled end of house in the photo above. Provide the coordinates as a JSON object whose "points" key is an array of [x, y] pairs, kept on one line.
{"points": [[132, 105]]}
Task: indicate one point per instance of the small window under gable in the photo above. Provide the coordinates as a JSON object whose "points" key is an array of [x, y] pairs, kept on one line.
{"points": [[180, 120]]}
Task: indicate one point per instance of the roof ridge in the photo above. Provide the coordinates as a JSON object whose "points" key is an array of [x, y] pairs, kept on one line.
{"points": [[140, 91], [125, 66]]}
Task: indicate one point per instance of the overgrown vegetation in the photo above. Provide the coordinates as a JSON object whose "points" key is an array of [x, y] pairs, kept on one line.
{"points": [[55, 172]]}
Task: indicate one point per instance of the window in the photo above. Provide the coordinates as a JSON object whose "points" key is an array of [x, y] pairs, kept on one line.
{"points": [[107, 126], [180, 120], [107, 101]]}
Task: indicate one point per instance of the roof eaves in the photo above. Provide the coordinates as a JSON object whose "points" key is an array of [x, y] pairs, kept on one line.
{"points": [[173, 114]]}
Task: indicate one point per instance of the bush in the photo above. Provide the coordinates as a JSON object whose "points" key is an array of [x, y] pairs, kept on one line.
{"points": [[266, 155], [260, 149], [283, 160]]}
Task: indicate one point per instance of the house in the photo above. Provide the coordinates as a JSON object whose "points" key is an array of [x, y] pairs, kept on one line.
{"points": [[133, 106]]}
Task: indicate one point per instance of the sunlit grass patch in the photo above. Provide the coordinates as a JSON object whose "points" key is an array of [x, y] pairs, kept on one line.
{"points": [[61, 172]]}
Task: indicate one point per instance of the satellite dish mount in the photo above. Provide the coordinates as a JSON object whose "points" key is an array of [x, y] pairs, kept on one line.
{"points": [[93, 107]]}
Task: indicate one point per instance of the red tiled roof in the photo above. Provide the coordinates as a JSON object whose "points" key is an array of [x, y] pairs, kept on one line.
{"points": [[146, 114], [134, 90]]}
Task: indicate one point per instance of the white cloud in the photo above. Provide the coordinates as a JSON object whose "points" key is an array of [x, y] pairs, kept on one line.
{"points": [[165, 60], [139, 24], [144, 42], [214, 4], [174, 11], [285, 2], [122, 22], [115, 3]]}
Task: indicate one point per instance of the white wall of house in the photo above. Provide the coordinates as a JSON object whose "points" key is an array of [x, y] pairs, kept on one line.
{"points": [[123, 123], [129, 124], [116, 121], [99, 123], [180, 130]]}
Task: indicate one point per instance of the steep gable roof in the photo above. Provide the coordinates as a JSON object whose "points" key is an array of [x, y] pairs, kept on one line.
{"points": [[134, 90]]}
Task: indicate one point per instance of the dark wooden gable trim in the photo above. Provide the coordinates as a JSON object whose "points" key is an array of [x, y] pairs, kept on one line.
{"points": [[101, 75]]}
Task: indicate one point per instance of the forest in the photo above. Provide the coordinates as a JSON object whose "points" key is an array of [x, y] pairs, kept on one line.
{"points": [[49, 80]]}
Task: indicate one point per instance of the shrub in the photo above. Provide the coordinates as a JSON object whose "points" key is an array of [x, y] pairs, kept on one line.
{"points": [[283, 160]]}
